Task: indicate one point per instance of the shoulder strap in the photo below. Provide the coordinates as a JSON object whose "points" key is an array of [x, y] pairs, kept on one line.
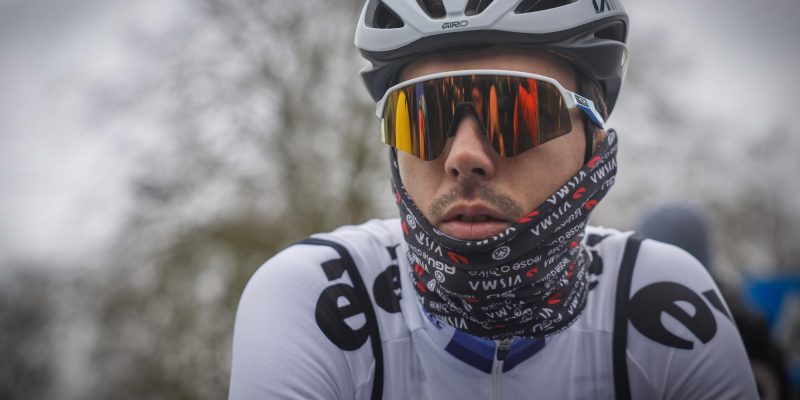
{"points": [[622, 387], [369, 311]]}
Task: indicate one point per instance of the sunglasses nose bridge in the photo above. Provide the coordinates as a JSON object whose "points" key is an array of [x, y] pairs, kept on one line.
{"points": [[461, 110]]}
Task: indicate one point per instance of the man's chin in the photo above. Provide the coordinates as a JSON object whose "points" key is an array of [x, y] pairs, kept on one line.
{"points": [[473, 230]]}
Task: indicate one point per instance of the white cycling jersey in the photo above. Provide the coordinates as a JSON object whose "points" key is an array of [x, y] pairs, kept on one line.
{"points": [[301, 332]]}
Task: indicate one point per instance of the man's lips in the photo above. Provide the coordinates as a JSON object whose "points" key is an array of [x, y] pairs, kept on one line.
{"points": [[472, 222]]}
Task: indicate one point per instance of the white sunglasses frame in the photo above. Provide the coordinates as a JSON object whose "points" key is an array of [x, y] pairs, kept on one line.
{"points": [[571, 99]]}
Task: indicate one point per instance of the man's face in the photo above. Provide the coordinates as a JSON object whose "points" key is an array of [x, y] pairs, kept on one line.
{"points": [[471, 192]]}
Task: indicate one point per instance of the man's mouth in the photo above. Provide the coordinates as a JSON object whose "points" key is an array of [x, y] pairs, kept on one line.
{"points": [[474, 222], [474, 218]]}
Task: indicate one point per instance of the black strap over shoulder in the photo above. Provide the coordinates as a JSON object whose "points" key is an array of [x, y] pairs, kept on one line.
{"points": [[622, 387], [369, 311]]}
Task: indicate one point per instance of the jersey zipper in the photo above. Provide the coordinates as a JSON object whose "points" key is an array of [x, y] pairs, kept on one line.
{"points": [[500, 353]]}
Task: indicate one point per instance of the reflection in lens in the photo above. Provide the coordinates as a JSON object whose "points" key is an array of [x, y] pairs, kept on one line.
{"points": [[492, 128], [553, 114], [402, 125]]}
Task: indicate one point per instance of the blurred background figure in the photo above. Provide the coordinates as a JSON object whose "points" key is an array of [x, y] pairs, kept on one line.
{"points": [[687, 227], [679, 225]]}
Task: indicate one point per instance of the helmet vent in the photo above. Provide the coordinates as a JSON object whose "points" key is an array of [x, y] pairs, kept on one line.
{"points": [[615, 31], [380, 16], [527, 6], [475, 7], [434, 8]]}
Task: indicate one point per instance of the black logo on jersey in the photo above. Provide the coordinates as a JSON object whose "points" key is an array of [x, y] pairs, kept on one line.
{"points": [[338, 309], [595, 269], [336, 305], [593, 239], [649, 304], [386, 288]]}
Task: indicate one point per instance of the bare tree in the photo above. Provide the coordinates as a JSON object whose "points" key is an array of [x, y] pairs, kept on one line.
{"points": [[271, 138]]}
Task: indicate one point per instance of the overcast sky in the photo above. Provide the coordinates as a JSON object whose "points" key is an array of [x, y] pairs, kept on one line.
{"points": [[63, 179], [740, 51]]}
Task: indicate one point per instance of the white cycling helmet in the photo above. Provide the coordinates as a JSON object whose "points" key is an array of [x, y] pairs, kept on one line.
{"points": [[590, 34]]}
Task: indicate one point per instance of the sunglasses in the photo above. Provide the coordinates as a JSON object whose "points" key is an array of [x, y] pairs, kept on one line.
{"points": [[517, 111]]}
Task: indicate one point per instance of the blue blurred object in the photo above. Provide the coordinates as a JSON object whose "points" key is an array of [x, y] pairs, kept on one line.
{"points": [[777, 297], [769, 294]]}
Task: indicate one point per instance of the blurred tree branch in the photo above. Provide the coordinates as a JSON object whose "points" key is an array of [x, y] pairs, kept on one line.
{"points": [[26, 367], [272, 138]]}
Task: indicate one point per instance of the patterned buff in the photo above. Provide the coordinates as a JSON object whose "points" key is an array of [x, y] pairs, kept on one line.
{"points": [[528, 281]]}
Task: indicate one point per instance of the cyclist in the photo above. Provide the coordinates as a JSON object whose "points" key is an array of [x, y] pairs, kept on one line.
{"points": [[490, 284]]}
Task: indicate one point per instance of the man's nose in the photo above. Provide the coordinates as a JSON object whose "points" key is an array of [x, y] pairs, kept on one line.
{"points": [[471, 155]]}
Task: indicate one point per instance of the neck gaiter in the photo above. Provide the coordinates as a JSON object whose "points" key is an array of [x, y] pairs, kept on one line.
{"points": [[529, 280]]}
